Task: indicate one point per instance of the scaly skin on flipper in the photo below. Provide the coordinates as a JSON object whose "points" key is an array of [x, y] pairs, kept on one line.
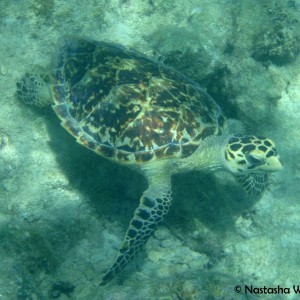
{"points": [[34, 89], [154, 205], [254, 184], [141, 114]]}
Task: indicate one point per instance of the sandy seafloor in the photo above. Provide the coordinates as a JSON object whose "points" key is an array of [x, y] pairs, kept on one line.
{"points": [[64, 210]]}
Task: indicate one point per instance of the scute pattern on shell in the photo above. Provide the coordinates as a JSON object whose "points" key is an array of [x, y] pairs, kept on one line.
{"points": [[125, 106]]}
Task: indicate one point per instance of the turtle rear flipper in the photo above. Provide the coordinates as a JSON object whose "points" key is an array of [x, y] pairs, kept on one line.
{"points": [[154, 204], [34, 89]]}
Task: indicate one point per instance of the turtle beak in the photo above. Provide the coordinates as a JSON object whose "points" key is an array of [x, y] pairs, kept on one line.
{"points": [[273, 164]]}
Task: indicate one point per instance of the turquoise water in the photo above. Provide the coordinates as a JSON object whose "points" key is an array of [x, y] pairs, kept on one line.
{"points": [[64, 210]]}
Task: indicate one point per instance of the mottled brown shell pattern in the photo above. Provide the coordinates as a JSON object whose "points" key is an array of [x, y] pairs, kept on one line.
{"points": [[126, 107]]}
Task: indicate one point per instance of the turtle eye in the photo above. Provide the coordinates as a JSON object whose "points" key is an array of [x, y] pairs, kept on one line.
{"points": [[255, 160]]}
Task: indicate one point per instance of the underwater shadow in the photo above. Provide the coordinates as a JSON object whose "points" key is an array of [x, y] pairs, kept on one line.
{"points": [[114, 190], [111, 190]]}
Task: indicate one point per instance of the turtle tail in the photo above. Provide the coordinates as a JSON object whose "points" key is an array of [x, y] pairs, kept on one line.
{"points": [[154, 204]]}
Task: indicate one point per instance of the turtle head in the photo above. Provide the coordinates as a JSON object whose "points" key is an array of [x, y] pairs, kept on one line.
{"points": [[251, 154]]}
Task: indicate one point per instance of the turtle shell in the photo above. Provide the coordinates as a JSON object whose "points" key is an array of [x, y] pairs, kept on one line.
{"points": [[127, 107]]}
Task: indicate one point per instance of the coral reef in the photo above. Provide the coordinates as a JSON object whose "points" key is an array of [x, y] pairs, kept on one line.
{"points": [[278, 41]]}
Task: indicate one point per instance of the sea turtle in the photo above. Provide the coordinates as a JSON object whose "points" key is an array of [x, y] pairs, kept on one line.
{"points": [[142, 114]]}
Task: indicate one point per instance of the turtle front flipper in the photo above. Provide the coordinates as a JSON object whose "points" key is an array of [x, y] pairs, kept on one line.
{"points": [[154, 204], [253, 184]]}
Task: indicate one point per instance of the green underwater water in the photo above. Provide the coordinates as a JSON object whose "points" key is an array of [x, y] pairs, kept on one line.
{"points": [[64, 210]]}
